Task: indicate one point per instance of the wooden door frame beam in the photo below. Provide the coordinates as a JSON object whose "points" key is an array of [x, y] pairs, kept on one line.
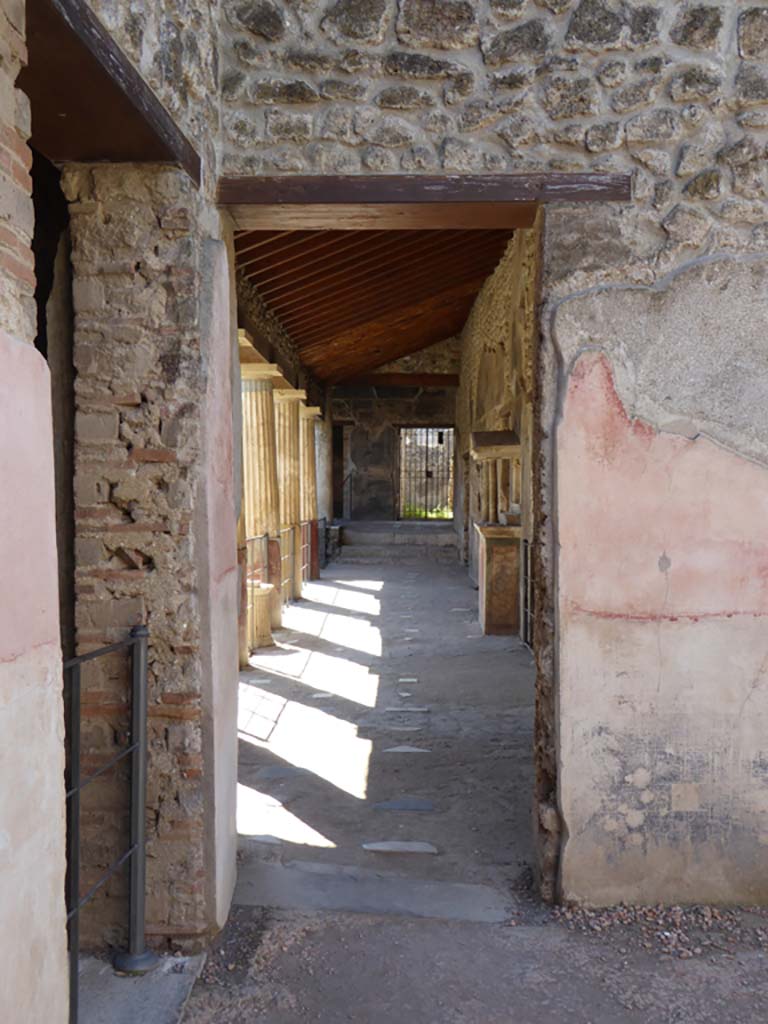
{"points": [[398, 201], [88, 49]]}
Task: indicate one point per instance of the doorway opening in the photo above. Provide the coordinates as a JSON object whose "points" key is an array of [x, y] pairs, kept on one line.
{"points": [[426, 472], [418, 330]]}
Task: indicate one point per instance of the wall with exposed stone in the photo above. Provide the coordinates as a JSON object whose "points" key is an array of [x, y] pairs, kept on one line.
{"points": [[33, 964], [155, 529], [374, 416], [496, 383], [443, 357], [674, 93]]}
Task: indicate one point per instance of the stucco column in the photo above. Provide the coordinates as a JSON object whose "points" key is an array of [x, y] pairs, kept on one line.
{"points": [[309, 415], [261, 502], [289, 472]]}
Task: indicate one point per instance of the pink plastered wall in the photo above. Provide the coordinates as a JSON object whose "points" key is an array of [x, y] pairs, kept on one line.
{"points": [[663, 653], [33, 978]]}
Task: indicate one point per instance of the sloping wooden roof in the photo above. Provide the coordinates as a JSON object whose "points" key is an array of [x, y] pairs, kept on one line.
{"points": [[355, 300]]}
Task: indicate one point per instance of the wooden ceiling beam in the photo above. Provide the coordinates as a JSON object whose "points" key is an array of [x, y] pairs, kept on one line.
{"points": [[374, 298], [409, 315], [431, 260], [419, 249], [371, 242], [250, 241], [288, 242], [356, 360], [446, 290], [320, 241]]}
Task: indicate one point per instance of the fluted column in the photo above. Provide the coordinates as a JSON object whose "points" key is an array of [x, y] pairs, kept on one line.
{"points": [[262, 506], [309, 416], [261, 500], [289, 472]]}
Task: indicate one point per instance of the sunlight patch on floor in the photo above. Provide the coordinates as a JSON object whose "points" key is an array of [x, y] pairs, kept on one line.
{"points": [[334, 627], [373, 585], [328, 673], [305, 737], [259, 814], [347, 600]]}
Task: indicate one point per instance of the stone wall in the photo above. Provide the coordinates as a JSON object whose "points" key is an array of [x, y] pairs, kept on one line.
{"points": [[498, 346], [374, 417], [33, 965], [155, 521], [443, 357], [675, 93]]}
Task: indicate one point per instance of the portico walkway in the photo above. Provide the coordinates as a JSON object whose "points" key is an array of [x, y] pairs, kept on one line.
{"points": [[382, 715]]}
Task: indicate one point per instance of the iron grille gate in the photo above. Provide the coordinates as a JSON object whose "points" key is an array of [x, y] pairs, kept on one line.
{"points": [[426, 473], [137, 959]]}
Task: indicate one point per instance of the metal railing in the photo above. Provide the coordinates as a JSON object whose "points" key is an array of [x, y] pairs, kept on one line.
{"points": [[322, 541], [526, 605], [287, 561], [346, 495], [306, 551], [137, 959], [257, 559], [256, 574]]}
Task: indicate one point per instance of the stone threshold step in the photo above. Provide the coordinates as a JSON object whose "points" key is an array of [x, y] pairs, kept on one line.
{"points": [[306, 885]]}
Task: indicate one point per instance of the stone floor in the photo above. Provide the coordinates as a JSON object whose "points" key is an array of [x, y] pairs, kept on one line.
{"points": [[383, 716]]}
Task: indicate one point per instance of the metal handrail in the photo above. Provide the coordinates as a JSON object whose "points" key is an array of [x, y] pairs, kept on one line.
{"points": [[286, 575], [257, 557], [137, 959], [346, 494], [306, 550], [322, 541]]}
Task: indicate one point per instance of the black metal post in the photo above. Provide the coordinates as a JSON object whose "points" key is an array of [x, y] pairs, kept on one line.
{"points": [[73, 841], [138, 959]]}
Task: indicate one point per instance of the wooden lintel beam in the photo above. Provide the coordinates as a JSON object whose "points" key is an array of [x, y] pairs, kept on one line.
{"points": [[89, 102], [409, 202], [382, 216]]}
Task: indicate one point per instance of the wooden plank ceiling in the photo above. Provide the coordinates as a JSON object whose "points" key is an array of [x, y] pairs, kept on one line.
{"points": [[355, 300]]}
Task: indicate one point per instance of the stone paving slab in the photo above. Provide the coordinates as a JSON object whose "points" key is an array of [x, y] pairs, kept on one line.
{"points": [[338, 887], [155, 998]]}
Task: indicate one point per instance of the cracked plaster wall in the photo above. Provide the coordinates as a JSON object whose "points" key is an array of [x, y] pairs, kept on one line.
{"points": [[656, 441]]}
